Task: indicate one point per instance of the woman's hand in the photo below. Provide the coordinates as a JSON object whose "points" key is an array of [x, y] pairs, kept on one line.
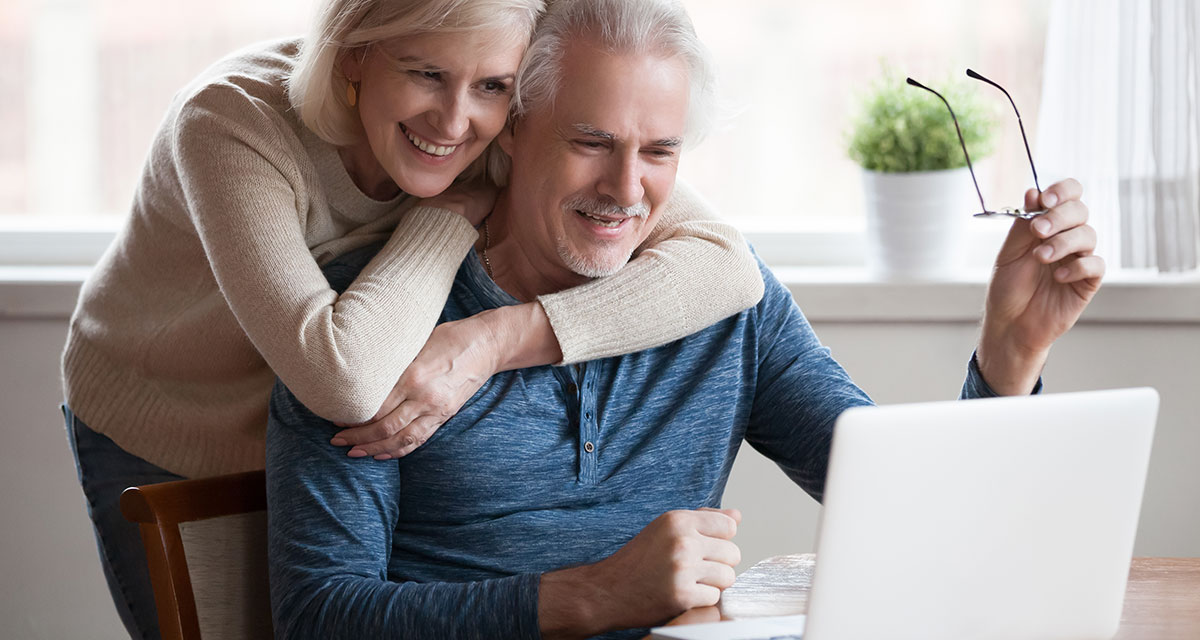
{"points": [[456, 361], [473, 201]]}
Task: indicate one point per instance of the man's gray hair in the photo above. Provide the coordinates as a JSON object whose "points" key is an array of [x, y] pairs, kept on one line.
{"points": [[658, 27], [655, 27]]}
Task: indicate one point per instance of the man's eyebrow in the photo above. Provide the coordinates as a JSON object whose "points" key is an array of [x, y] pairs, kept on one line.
{"points": [[589, 130], [595, 132]]}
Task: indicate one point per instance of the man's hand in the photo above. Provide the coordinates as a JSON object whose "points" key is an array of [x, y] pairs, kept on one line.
{"points": [[681, 560], [1045, 275]]}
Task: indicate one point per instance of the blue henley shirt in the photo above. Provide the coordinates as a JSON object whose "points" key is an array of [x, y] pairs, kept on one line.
{"points": [[543, 468]]}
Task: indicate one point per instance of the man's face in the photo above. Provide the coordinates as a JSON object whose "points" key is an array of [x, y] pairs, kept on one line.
{"points": [[592, 171]]}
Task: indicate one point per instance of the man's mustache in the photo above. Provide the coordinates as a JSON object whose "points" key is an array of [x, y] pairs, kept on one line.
{"points": [[607, 207]]}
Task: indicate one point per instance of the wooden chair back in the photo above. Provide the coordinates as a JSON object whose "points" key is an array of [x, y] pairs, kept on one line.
{"points": [[206, 545]]}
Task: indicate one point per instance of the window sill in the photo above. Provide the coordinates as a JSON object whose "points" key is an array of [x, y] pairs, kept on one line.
{"points": [[851, 294], [826, 294]]}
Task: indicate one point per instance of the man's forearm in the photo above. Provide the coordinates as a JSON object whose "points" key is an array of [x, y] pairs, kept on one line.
{"points": [[355, 607], [568, 605]]}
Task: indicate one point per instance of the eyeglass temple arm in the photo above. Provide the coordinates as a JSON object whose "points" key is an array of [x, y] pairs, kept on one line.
{"points": [[971, 73], [960, 139]]}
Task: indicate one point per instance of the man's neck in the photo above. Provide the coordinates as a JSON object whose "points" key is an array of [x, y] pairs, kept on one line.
{"points": [[515, 260]]}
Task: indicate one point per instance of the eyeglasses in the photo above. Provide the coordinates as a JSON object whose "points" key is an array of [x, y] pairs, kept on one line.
{"points": [[1015, 212]]}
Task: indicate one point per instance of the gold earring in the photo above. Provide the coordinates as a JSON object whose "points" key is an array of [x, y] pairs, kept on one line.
{"points": [[351, 94]]}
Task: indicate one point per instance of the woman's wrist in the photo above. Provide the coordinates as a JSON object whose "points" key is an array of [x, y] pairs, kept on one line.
{"points": [[522, 336]]}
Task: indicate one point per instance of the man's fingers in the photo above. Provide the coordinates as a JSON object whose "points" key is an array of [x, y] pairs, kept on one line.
{"points": [[702, 595], [1059, 192], [717, 523], [1083, 268], [716, 574], [1067, 215], [1079, 240], [1031, 200], [722, 551], [732, 513], [697, 615]]}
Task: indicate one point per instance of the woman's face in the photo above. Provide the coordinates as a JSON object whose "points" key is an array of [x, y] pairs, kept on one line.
{"points": [[431, 104]]}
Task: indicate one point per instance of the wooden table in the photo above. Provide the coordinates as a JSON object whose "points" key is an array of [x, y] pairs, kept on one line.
{"points": [[1162, 598]]}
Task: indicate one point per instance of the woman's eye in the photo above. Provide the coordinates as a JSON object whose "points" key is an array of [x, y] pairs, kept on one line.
{"points": [[427, 75], [494, 86]]}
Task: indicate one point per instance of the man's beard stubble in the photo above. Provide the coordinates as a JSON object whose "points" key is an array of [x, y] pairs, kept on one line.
{"points": [[597, 266]]}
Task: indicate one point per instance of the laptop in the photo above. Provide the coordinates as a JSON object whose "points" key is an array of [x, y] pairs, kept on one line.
{"points": [[1003, 518]]}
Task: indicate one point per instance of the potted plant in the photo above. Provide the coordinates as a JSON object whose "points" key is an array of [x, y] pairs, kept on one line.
{"points": [[917, 187]]}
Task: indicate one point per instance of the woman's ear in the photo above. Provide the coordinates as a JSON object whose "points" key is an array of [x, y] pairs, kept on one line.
{"points": [[505, 139], [350, 62]]}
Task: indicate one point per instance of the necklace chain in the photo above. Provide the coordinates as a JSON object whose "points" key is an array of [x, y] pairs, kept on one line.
{"points": [[487, 243]]}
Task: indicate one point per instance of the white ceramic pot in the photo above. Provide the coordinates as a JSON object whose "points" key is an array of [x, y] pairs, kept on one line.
{"points": [[917, 223]]}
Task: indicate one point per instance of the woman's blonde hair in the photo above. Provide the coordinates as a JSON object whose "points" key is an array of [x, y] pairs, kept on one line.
{"points": [[317, 87]]}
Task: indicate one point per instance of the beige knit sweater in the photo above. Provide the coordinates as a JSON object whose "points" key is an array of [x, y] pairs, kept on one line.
{"points": [[213, 288]]}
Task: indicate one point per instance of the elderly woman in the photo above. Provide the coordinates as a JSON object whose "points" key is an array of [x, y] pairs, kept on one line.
{"points": [[284, 156]]}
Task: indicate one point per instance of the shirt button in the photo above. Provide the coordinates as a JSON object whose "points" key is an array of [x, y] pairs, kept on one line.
{"points": [[589, 415], [572, 389], [589, 447]]}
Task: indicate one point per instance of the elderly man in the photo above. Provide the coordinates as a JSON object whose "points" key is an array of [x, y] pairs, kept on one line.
{"points": [[569, 502]]}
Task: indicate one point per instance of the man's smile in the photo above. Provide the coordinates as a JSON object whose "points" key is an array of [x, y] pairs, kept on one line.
{"points": [[602, 220]]}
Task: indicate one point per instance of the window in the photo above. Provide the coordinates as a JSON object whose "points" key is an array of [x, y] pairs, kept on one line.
{"points": [[791, 71], [94, 79]]}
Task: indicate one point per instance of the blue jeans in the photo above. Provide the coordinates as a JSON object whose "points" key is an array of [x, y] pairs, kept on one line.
{"points": [[105, 470]]}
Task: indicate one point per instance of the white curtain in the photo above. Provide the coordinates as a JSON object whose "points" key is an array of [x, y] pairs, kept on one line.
{"points": [[1121, 112]]}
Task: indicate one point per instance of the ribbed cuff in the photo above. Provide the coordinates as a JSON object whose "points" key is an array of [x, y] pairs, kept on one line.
{"points": [[426, 232], [588, 323]]}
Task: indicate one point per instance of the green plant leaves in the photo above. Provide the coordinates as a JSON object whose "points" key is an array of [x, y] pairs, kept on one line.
{"points": [[902, 128]]}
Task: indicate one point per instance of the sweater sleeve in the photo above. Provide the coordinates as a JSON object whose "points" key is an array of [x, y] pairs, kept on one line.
{"points": [[692, 271], [244, 191], [330, 520]]}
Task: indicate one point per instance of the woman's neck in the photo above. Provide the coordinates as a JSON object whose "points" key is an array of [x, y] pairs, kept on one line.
{"points": [[366, 172]]}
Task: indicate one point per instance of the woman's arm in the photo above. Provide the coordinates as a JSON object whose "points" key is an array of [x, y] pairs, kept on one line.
{"points": [[692, 271], [247, 196]]}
